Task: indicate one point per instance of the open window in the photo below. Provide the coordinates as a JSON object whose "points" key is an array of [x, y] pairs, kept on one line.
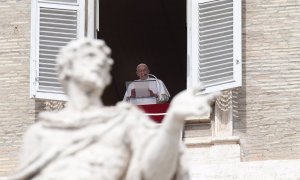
{"points": [[212, 55], [214, 44], [54, 23], [151, 32]]}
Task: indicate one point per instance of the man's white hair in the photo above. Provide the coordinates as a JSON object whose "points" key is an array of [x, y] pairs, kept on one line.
{"points": [[142, 64]]}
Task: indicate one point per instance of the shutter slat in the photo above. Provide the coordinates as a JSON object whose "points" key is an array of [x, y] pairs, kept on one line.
{"points": [[58, 21], [45, 60], [55, 15], [49, 79], [53, 43], [215, 6], [216, 40], [220, 15], [53, 90], [216, 49], [51, 66], [216, 22], [215, 54], [214, 45], [216, 66], [215, 3], [49, 47], [227, 17], [57, 11], [215, 26], [214, 12], [48, 52], [217, 58], [61, 33], [216, 76], [50, 56], [57, 37], [44, 56], [216, 31], [48, 74], [47, 63], [63, 1], [47, 70], [211, 63], [216, 71], [58, 25], [66, 30], [48, 82], [224, 36]]}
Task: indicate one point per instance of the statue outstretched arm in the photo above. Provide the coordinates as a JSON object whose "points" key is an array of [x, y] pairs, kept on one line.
{"points": [[162, 154]]}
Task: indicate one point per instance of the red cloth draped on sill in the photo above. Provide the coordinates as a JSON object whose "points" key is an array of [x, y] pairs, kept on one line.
{"points": [[155, 111]]}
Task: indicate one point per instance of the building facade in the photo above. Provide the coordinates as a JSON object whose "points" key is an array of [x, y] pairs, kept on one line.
{"points": [[266, 110]]}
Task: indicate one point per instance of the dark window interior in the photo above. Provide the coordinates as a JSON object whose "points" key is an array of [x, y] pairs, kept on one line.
{"points": [[152, 32]]}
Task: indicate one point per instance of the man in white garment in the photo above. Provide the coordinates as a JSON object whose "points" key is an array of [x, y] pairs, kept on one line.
{"points": [[157, 91]]}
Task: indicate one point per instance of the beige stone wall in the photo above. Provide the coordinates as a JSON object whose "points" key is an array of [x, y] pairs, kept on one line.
{"points": [[254, 170], [269, 113], [16, 109]]}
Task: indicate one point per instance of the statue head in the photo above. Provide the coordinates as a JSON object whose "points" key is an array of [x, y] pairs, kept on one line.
{"points": [[87, 63]]}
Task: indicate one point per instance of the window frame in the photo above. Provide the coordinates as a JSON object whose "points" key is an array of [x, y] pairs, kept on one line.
{"points": [[192, 44], [34, 51], [192, 47]]}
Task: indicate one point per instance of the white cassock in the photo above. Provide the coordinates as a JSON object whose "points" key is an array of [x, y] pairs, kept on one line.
{"points": [[158, 88]]}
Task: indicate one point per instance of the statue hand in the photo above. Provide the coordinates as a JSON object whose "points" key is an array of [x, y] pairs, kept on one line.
{"points": [[191, 103]]}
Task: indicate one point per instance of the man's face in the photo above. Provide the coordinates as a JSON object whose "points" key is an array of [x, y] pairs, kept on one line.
{"points": [[142, 72]]}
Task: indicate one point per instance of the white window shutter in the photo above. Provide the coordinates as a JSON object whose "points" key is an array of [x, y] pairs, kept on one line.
{"points": [[54, 23], [214, 44]]}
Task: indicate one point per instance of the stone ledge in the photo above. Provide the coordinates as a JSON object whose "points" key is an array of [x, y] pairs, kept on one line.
{"points": [[202, 119], [226, 140], [209, 141], [253, 170]]}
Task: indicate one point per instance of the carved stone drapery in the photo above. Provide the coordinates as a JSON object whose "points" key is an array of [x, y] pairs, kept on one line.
{"points": [[54, 105], [223, 115]]}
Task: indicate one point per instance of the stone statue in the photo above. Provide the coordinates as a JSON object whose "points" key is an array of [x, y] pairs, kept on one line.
{"points": [[87, 140]]}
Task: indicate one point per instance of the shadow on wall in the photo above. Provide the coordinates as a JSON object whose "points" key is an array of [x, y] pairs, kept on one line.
{"points": [[239, 94]]}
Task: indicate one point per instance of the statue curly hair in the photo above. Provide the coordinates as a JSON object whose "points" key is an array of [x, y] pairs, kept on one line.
{"points": [[84, 50]]}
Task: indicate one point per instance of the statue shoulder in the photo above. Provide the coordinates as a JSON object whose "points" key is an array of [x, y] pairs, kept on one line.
{"points": [[125, 105], [129, 108], [68, 118], [135, 116], [54, 117]]}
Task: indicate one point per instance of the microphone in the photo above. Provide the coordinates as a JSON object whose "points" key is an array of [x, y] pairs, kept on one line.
{"points": [[157, 84], [153, 76], [161, 97]]}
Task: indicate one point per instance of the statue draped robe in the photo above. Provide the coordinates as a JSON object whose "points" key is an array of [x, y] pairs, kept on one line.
{"points": [[106, 144]]}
